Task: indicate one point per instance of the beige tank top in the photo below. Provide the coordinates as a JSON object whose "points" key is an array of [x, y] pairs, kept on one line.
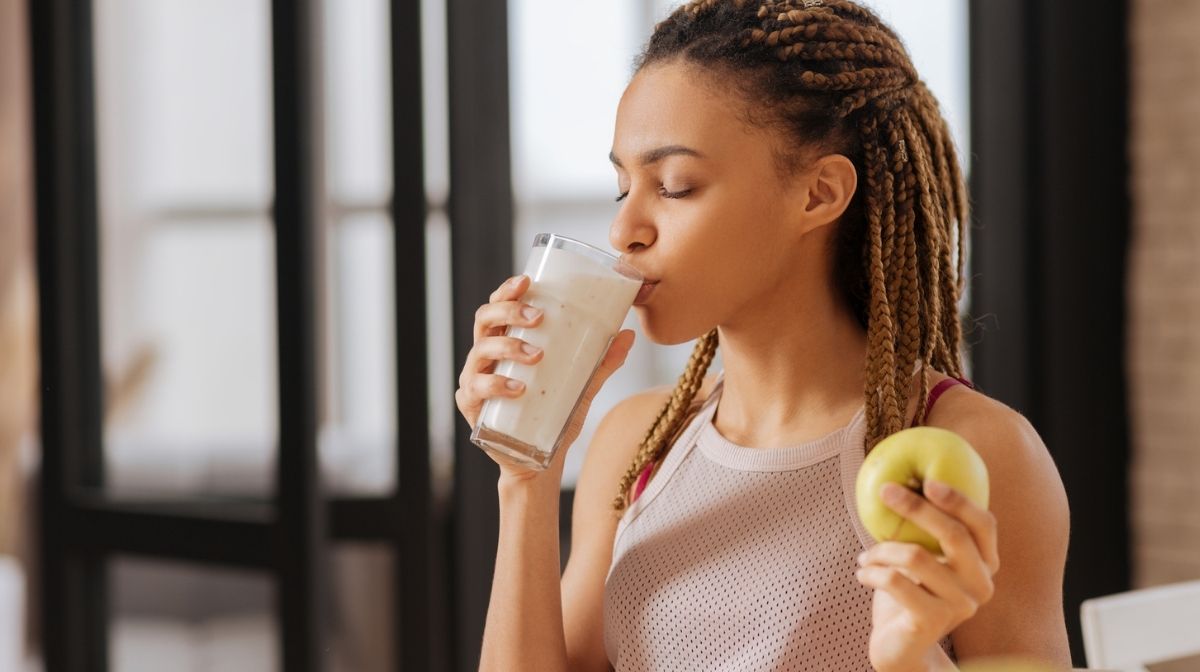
{"points": [[737, 558]]}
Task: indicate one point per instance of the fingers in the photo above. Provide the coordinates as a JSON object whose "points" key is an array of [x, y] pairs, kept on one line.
{"points": [[492, 318], [613, 359], [980, 521], [512, 289], [477, 383], [491, 321], [482, 387], [958, 542], [951, 533], [924, 569], [901, 588], [483, 357], [487, 386]]}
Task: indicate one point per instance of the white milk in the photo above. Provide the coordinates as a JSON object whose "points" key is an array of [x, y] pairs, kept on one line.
{"points": [[585, 303]]}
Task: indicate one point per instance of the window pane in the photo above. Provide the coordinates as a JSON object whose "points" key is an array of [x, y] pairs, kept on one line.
{"points": [[192, 406], [199, 619], [184, 102], [443, 370], [216, 620], [565, 85], [358, 434], [187, 246], [358, 101]]}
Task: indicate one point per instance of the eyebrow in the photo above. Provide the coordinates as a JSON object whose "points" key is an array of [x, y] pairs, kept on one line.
{"points": [[658, 154]]}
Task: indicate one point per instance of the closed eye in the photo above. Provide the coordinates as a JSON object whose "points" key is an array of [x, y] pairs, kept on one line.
{"points": [[661, 192]]}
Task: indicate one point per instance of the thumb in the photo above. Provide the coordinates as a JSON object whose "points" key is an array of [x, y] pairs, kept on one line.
{"points": [[621, 344], [618, 350]]}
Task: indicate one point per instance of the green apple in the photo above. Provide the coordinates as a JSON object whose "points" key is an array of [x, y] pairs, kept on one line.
{"points": [[908, 458]]}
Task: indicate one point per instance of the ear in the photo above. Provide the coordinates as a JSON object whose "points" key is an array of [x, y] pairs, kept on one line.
{"points": [[824, 191]]}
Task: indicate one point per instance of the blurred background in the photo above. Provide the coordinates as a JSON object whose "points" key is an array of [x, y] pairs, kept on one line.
{"points": [[242, 242]]}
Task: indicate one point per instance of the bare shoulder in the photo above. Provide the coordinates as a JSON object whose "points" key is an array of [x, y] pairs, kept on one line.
{"points": [[1027, 498], [1021, 467], [617, 439], [1004, 438]]}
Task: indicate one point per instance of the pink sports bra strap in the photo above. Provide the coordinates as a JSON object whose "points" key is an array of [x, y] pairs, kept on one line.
{"points": [[937, 392], [643, 479]]}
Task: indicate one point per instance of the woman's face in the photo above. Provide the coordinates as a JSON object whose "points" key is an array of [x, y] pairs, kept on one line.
{"points": [[705, 210]]}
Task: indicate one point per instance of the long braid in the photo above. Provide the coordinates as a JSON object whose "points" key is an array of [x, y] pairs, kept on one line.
{"points": [[883, 409], [671, 418], [840, 79], [952, 199], [930, 298], [907, 295]]}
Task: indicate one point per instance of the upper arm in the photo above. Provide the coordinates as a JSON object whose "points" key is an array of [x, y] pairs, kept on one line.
{"points": [[1025, 615], [594, 525], [594, 522]]}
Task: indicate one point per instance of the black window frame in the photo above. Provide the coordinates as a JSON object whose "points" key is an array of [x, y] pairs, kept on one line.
{"points": [[288, 538]]}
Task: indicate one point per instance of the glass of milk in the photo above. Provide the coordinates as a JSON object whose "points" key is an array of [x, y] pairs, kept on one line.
{"points": [[585, 294]]}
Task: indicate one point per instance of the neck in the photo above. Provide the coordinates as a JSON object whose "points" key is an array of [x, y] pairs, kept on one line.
{"points": [[794, 369]]}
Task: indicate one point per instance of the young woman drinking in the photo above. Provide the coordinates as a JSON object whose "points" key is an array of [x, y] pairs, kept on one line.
{"points": [[791, 192]]}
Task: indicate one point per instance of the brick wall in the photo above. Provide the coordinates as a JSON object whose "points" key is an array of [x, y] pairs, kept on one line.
{"points": [[1164, 290]]}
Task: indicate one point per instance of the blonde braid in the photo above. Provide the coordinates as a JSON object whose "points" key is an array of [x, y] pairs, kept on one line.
{"points": [[672, 418]]}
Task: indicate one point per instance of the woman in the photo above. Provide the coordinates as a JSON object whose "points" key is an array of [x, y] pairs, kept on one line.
{"points": [[789, 184]]}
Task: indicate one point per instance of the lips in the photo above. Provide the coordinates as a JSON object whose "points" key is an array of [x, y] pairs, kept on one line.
{"points": [[644, 293]]}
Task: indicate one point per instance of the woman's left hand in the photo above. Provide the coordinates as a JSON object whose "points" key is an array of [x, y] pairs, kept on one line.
{"points": [[921, 597]]}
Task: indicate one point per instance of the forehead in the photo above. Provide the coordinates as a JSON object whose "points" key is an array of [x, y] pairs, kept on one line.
{"points": [[679, 103]]}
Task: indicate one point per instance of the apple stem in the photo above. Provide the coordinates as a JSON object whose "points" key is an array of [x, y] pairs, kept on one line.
{"points": [[915, 485]]}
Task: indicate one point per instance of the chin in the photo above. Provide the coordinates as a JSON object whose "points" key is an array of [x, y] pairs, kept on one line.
{"points": [[657, 328]]}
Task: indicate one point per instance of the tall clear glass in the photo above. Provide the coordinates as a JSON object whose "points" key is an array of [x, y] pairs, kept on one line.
{"points": [[585, 294]]}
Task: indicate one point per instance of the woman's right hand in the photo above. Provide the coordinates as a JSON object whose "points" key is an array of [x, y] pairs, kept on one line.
{"points": [[478, 381]]}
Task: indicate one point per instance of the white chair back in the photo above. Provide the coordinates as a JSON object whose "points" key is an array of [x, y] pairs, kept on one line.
{"points": [[1127, 631], [12, 614]]}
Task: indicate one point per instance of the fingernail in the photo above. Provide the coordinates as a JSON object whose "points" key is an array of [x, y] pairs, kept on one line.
{"points": [[513, 280], [530, 313], [514, 384], [936, 489], [862, 557], [530, 349]]}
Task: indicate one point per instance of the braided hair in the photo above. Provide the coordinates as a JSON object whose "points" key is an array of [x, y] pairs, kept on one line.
{"points": [[832, 76]]}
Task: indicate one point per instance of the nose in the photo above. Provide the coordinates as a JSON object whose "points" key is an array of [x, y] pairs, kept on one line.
{"points": [[631, 229]]}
